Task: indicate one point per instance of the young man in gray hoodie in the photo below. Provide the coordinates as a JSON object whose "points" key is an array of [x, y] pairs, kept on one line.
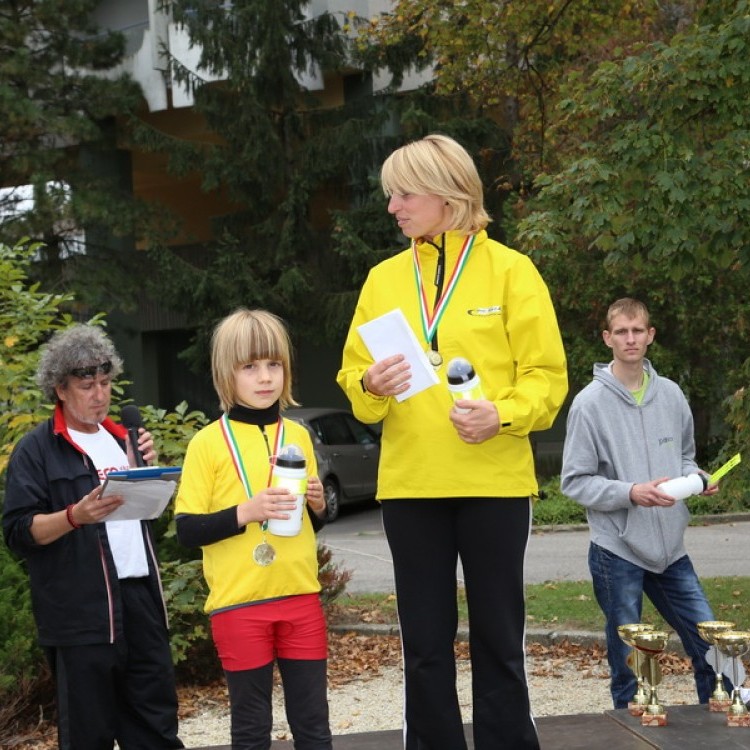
{"points": [[628, 431]]}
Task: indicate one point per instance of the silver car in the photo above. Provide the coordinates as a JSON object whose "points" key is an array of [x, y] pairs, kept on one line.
{"points": [[347, 452]]}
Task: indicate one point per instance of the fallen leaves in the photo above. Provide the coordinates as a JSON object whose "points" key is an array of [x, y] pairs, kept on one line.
{"points": [[354, 656]]}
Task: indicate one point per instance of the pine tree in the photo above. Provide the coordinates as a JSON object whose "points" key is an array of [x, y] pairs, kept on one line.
{"points": [[56, 134], [275, 147]]}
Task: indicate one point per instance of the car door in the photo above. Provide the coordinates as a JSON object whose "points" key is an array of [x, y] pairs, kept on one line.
{"points": [[353, 452], [369, 445]]}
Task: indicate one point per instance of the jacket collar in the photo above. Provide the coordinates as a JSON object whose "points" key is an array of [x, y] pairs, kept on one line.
{"points": [[240, 413], [60, 427], [454, 241]]}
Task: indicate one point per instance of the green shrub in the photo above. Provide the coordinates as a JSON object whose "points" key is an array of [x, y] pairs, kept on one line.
{"points": [[25, 683], [172, 430], [737, 410], [733, 497], [332, 579], [554, 509], [20, 657], [190, 633], [27, 316]]}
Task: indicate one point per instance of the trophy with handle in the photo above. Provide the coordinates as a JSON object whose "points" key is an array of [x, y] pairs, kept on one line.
{"points": [[720, 699], [636, 662], [651, 644], [735, 644]]}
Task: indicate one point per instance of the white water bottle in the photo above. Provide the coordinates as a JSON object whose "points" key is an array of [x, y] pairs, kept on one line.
{"points": [[681, 487], [463, 382], [290, 471]]}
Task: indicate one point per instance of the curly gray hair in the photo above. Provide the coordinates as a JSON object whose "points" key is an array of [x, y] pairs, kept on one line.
{"points": [[78, 346]]}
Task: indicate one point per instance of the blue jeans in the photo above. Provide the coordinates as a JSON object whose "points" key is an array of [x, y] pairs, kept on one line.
{"points": [[677, 595]]}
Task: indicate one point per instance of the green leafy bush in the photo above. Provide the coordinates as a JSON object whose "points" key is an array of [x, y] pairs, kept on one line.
{"points": [[735, 487], [332, 579], [733, 495], [27, 316], [25, 682], [185, 593], [173, 430], [554, 509], [19, 654]]}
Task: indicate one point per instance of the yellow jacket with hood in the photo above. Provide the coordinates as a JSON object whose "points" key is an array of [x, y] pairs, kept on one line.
{"points": [[499, 317]]}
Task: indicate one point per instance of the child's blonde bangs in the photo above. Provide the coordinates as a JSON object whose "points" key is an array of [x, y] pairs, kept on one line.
{"points": [[259, 337]]}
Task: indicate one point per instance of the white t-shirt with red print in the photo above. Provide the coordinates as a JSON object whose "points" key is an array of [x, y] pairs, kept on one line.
{"points": [[125, 537]]}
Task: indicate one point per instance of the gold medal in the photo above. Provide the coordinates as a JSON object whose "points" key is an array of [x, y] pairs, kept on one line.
{"points": [[435, 357], [264, 554]]}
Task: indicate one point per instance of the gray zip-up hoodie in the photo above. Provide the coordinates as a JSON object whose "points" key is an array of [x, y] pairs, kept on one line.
{"points": [[612, 443]]}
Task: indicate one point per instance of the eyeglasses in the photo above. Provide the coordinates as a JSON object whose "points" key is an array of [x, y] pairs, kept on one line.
{"points": [[92, 370]]}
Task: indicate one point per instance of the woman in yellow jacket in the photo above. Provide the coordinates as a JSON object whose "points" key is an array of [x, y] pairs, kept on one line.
{"points": [[457, 479]]}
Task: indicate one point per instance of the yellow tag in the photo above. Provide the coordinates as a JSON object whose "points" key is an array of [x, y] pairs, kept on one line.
{"points": [[470, 394], [295, 486], [724, 470]]}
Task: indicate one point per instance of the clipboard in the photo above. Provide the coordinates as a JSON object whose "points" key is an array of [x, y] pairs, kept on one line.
{"points": [[139, 473], [146, 490]]}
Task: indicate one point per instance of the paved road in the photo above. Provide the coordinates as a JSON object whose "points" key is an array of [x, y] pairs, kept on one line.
{"points": [[358, 544]]}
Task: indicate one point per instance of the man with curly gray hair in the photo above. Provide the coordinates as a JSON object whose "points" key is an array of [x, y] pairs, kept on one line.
{"points": [[75, 349], [95, 584]]}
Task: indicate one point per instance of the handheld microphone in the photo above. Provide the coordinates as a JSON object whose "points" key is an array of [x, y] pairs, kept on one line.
{"points": [[130, 416]]}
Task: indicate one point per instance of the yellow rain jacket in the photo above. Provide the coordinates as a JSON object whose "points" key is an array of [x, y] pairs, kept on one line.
{"points": [[499, 317]]}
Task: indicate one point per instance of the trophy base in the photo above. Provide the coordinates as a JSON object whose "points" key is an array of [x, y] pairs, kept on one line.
{"points": [[636, 709], [653, 720], [738, 720], [719, 706]]}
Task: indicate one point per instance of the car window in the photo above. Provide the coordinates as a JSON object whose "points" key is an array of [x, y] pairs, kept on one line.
{"points": [[362, 433], [335, 430], [317, 430]]}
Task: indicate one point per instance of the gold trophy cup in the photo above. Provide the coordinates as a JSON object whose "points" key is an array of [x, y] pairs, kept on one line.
{"points": [[651, 644], [720, 700], [735, 644], [627, 633]]}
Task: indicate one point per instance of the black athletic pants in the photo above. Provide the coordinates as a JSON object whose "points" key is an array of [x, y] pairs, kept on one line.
{"points": [[426, 536], [305, 700], [123, 691]]}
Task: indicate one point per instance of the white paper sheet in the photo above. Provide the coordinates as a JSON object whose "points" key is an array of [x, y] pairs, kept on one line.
{"points": [[390, 334], [145, 499]]}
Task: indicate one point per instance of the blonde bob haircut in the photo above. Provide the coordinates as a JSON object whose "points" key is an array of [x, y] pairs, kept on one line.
{"points": [[438, 165], [246, 336]]}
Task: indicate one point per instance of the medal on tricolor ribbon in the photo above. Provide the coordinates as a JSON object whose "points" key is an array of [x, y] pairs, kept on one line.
{"points": [[263, 554], [430, 322], [435, 357]]}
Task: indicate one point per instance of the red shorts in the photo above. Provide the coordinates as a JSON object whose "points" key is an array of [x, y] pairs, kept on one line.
{"points": [[253, 636]]}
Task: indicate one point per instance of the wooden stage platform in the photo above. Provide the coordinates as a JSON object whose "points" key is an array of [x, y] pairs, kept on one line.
{"points": [[688, 728]]}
